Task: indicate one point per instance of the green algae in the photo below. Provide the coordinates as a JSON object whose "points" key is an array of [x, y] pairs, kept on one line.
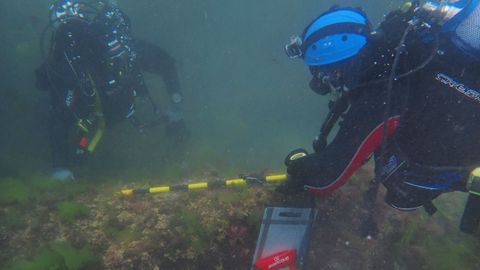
{"points": [[44, 259], [446, 254], [57, 255], [233, 195], [74, 258], [13, 191], [69, 211], [193, 231], [46, 184], [254, 219], [411, 232], [122, 235], [13, 219], [422, 241], [38, 189], [42, 184]]}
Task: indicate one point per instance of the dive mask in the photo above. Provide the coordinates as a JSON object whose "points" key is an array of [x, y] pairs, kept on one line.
{"points": [[324, 83]]}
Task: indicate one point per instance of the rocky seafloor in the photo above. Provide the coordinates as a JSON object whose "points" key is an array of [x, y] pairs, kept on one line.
{"points": [[84, 226]]}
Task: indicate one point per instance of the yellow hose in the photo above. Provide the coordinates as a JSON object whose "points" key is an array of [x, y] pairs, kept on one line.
{"points": [[100, 119], [236, 182]]}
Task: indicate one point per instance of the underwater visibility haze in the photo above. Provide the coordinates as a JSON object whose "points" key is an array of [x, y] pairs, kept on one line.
{"points": [[246, 105]]}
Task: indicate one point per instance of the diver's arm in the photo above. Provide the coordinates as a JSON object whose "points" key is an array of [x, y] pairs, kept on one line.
{"points": [[155, 60], [360, 134]]}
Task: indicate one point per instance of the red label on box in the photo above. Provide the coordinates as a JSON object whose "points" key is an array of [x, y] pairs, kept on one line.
{"points": [[277, 261]]}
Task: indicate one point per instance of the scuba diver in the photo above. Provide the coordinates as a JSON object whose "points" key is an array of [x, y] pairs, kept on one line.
{"points": [[406, 93], [93, 72]]}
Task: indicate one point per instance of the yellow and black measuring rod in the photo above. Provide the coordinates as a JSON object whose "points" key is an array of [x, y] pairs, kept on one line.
{"points": [[241, 181]]}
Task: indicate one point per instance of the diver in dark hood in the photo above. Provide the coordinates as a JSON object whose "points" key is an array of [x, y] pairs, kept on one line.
{"points": [[408, 92], [93, 72]]}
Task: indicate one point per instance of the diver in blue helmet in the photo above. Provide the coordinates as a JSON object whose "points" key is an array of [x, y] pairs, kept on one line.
{"points": [[406, 93], [94, 71]]}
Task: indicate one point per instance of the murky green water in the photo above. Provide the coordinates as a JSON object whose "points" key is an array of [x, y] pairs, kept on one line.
{"points": [[246, 104]]}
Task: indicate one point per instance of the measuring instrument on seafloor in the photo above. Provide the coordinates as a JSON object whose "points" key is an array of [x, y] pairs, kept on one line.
{"points": [[235, 182]]}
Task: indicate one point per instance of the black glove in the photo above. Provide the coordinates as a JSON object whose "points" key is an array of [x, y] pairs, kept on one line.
{"points": [[291, 187], [295, 162]]}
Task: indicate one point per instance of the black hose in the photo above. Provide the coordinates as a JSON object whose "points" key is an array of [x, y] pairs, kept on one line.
{"points": [[414, 70], [427, 61], [388, 101], [337, 108], [368, 227]]}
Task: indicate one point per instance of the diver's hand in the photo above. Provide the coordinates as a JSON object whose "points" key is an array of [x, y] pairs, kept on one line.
{"points": [[62, 174], [292, 186], [295, 162]]}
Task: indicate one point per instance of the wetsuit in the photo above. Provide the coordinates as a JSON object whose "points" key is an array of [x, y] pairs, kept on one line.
{"points": [[87, 69], [433, 123]]}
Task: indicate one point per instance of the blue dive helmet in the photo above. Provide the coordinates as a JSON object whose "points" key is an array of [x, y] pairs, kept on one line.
{"points": [[334, 36], [463, 27]]}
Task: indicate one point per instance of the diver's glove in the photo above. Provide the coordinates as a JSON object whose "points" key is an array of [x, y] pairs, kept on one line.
{"points": [[62, 174], [295, 162], [292, 186]]}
